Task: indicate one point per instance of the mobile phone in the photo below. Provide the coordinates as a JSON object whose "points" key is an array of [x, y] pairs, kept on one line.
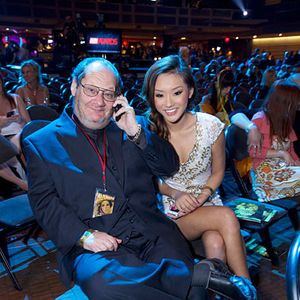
{"points": [[115, 109], [10, 113]]}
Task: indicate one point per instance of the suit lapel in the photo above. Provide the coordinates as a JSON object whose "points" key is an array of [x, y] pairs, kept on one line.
{"points": [[115, 141]]}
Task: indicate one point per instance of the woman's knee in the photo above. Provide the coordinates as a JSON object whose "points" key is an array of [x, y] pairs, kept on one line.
{"points": [[230, 221], [213, 242]]}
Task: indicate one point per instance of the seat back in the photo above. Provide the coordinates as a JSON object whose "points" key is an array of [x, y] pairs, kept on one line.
{"points": [[32, 127], [243, 97], [42, 112], [236, 142], [237, 150]]}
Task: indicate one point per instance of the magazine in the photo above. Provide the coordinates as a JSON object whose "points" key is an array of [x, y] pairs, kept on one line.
{"points": [[250, 211]]}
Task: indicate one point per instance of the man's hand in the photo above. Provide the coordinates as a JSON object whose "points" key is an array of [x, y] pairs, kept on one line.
{"points": [[101, 241], [127, 121]]}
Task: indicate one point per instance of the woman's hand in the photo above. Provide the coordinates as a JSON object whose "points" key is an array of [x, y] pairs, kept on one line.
{"points": [[288, 158], [254, 140], [5, 121], [185, 202], [201, 199]]}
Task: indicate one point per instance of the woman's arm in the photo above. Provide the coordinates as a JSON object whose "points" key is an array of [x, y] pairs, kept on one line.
{"points": [[218, 163], [218, 168], [254, 135], [25, 118]]}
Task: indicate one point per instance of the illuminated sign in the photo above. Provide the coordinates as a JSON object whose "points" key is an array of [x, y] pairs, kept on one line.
{"points": [[103, 41]]}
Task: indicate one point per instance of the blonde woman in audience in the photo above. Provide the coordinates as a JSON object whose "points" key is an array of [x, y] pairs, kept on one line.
{"points": [[32, 90], [189, 197]]}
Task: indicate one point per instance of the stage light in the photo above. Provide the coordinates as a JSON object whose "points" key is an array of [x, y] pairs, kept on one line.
{"points": [[255, 36], [245, 13]]}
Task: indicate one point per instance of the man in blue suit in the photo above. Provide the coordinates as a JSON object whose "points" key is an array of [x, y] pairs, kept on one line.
{"points": [[91, 189]]}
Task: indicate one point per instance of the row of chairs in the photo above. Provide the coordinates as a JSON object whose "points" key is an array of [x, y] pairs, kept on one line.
{"points": [[16, 216]]}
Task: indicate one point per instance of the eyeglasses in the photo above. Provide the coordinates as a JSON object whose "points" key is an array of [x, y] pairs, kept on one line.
{"points": [[92, 91]]}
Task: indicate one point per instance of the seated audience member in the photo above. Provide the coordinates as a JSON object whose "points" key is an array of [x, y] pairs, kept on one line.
{"points": [[13, 116], [276, 168], [217, 102], [131, 251], [189, 196], [184, 53], [32, 90], [268, 78], [241, 75]]}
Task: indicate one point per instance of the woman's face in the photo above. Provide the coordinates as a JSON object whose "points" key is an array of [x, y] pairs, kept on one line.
{"points": [[225, 91], [29, 74], [171, 96], [106, 207]]}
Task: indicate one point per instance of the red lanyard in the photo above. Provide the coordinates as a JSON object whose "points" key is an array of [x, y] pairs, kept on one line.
{"points": [[102, 161]]}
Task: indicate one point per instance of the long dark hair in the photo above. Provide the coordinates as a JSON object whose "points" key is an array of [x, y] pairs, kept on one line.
{"points": [[280, 107], [169, 64], [224, 79], [7, 96]]}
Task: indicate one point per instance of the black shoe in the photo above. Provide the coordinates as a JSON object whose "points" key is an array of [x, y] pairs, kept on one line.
{"points": [[213, 274]]}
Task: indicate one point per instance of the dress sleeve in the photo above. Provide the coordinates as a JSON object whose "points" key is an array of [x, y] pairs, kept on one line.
{"points": [[214, 128]]}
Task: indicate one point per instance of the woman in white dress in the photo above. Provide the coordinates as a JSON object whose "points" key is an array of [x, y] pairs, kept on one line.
{"points": [[189, 197], [13, 116]]}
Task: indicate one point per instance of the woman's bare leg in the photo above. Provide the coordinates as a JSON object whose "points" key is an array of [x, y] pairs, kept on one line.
{"points": [[223, 220], [9, 175], [214, 245]]}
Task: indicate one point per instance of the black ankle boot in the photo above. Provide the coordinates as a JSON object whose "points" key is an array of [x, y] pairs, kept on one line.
{"points": [[213, 274]]}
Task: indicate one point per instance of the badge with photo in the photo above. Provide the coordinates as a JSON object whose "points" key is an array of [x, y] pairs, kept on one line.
{"points": [[103, 203]]}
